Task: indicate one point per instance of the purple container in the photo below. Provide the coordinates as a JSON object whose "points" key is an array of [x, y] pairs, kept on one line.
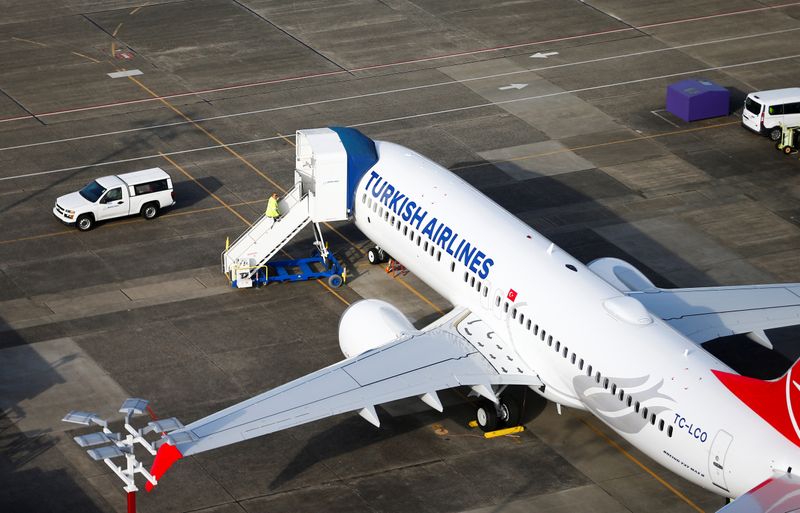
{"points": [[694, 99]]}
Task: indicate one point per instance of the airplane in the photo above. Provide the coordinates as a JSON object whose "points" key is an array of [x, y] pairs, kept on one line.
{"points": [[599, 337]]}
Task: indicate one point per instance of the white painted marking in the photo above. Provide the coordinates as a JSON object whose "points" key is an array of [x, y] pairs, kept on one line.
{"points": [[513, 86], [412, 116], [393, 91], [128, 73], [399, 63], [659, 116], [543, 55]]}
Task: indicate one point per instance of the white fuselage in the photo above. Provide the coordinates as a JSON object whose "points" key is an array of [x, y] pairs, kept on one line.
{"points": [[648, 382]]}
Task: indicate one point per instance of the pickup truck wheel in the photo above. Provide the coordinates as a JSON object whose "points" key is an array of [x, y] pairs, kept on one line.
{"points": [[85, 222], [150, 211]]}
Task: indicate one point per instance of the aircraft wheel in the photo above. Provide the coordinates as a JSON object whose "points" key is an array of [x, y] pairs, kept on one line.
{"points": [[335, 281], [486, 415], [509, 413], [374, 256]]}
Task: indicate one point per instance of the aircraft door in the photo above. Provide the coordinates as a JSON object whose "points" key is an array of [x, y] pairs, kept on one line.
{"points": [[716, 458]]}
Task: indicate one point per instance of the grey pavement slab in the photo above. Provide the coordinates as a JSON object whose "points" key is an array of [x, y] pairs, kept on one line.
{"points": [[546, 158], [722, 211], [40, 379]]}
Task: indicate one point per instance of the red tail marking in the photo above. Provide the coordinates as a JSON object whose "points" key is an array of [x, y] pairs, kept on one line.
{"points": [[167, 455], [777, 401]]}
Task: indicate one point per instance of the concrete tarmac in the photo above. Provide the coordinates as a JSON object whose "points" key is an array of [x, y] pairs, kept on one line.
{"points": [[554, 109]]}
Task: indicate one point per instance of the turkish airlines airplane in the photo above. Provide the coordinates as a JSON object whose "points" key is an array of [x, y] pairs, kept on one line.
{"points": [[598, 337]]}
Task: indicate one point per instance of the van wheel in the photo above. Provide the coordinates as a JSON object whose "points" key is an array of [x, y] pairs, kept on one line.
{"points": [[85, 222], [150, 211], [775, 133]]}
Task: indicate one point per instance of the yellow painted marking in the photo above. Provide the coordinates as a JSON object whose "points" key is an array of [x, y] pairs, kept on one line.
{"points": [[504, 432], [190, 177], [114, 34], [329, 289], [138, 9], [85, 57], [418, 294], [209, 134], [473, 423], [644, 467], [599, 145], [113, 48], [286, 139], [28, 41]]}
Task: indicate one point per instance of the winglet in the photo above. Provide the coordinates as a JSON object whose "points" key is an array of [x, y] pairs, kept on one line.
{"points": [[167, 455], [776, 401]]}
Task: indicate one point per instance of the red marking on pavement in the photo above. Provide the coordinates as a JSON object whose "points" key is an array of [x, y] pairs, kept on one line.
{"points": [[125, 56], [385, 65]]}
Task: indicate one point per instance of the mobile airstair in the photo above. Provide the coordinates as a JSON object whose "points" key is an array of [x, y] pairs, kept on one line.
{"points": [[328, 164]]}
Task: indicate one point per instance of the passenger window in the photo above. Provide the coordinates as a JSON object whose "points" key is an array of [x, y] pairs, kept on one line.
{"points": [[621, 395], [369, 203], [375, 207], [471, 281], [513, 313], [521, 318], [572, 359], [392, 220], [630, 400], [580, 364], [419, 239], [669, 431], [644, 413], [485, 291], [453, 268], [528, 325], [113, 195], [661, 425], [438, 256], [558, 344], [605, 383], [598, 377], [425, 246], [466, 276], [536, 329], [386, 215], [550, 341], [636, 407], [614, 388], [505, 307], [775, 110], [589, 370], [364, 198], [564, 352], [405, 230], [497, 301], [653, 419], [791, 108]]}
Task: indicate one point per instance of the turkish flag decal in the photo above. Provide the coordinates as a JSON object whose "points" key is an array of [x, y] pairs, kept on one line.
{"points": [[512, 295]]}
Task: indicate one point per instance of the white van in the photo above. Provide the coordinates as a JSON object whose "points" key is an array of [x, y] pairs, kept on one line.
{"points": [[141, 192], [764, 111]]}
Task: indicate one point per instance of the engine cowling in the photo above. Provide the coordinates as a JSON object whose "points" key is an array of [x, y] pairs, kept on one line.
{"points": [[370, 323]]}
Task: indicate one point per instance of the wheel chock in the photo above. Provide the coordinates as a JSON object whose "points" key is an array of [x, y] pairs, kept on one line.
{"points": [[504, 432], [473, 423]]}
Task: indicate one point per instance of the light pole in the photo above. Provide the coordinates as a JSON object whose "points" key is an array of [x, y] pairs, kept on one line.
{"points": [[120, 444]]}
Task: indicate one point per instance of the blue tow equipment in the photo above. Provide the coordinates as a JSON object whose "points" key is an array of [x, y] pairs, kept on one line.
{"points": [[301, 269]]}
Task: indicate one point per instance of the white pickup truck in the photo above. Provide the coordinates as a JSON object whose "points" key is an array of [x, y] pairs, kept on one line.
{"points": [[141, 192]]}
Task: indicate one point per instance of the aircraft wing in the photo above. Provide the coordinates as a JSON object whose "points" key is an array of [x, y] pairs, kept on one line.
{"points": [[779, 494], [703, 314], [417, 364]]}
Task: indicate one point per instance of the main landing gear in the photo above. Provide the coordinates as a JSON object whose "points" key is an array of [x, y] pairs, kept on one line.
{"points": [[491, 416]]}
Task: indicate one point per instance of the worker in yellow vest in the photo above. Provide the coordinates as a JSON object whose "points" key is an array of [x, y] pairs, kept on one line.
{"points": [[272, 207]]}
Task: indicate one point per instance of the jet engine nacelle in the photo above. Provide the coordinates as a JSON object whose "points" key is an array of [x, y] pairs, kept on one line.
{"points": [[369, 324], [622, 275]]}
